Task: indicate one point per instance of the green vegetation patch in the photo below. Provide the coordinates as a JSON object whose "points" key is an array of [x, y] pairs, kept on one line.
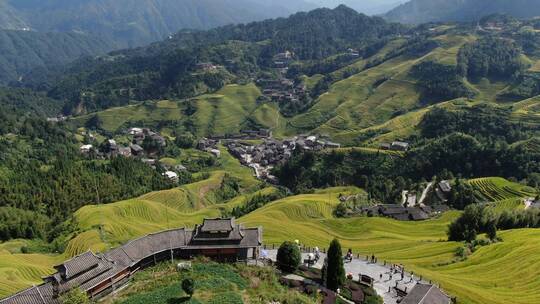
{"points": [[214, 283]]}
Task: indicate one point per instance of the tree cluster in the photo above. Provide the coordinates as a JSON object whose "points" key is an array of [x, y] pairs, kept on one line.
{"points": [[477, 219], [490, 57]]}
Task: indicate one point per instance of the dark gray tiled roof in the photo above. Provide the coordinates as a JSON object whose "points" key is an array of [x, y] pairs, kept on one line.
{"points": [[210, 225], [236, 234], [78, 264], [41, 294], [146, 246], [426, 294]]}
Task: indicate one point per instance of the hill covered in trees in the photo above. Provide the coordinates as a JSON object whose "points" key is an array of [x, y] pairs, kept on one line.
{"points": [[133, 23], [23, 51], [422, 11], [169, 68]]}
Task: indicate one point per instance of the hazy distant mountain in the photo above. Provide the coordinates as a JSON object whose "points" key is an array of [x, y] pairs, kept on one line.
{"points": [[369, 7], [137, 22], [22, 51], [421, 11], [9, 18]]}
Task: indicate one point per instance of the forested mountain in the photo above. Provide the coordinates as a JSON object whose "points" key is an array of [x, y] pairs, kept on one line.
{"points": [[9, 18], [167, 69], [22, 51], [134, 22], [369, 7], [422, 11]]}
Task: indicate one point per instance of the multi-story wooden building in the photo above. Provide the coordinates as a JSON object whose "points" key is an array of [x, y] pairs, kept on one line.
{"points": [[100, 274]]}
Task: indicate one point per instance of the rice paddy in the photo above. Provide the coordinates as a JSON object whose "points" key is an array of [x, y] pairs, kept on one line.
{"points": [[495, 189]]}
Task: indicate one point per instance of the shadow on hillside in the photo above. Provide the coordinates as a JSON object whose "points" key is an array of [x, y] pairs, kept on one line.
{"points": [[179, 300]]}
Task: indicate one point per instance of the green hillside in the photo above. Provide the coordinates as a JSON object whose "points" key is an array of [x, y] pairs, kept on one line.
{"points": [[383, 101], [227, 111]]}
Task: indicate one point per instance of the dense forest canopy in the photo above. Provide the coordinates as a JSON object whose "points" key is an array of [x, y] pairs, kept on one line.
{"points": [[490, 57], [44, 179]]}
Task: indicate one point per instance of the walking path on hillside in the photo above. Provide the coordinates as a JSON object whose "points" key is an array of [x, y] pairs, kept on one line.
{"points": [[374, 270], [424, 193]]}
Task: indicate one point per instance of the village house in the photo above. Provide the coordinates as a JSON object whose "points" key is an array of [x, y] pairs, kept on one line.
{"points": [[150, 162], [261, 133], [206, 66], [399, 146], [124, 151], [100, 274], [443, 190], [135, 131], [180, 168], [86, 149], [214, 152], [58, 118], [426, 294], [353, 53], [137, 150], [395, 146], [173, 176], [110, 148], [205, 143], [401, 213]]}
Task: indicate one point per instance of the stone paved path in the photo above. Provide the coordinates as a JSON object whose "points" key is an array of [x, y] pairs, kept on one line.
{"points": [[361, 266]]}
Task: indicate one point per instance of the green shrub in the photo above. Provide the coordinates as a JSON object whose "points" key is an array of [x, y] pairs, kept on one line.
{"points": [[188, 285], [75, 296], [288, 257]]}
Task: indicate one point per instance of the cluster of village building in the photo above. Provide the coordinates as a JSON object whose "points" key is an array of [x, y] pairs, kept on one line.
{"points": [[282, 89], [264, 156], [111, 149], [412, 207]]}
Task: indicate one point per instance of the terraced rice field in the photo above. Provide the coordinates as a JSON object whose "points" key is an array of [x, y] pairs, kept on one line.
{"points": [[527, 111], [19, 271], [499, 189], [148, 112], [532, 144], [224, 112], [506, 272], [362, 101], [509, 204]]}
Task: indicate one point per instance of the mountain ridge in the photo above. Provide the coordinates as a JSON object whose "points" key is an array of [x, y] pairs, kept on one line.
{"points": [[133, 23], [424, 11]]}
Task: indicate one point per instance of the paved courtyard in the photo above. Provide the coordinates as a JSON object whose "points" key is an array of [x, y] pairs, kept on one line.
{"points": [[374, 270]]}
